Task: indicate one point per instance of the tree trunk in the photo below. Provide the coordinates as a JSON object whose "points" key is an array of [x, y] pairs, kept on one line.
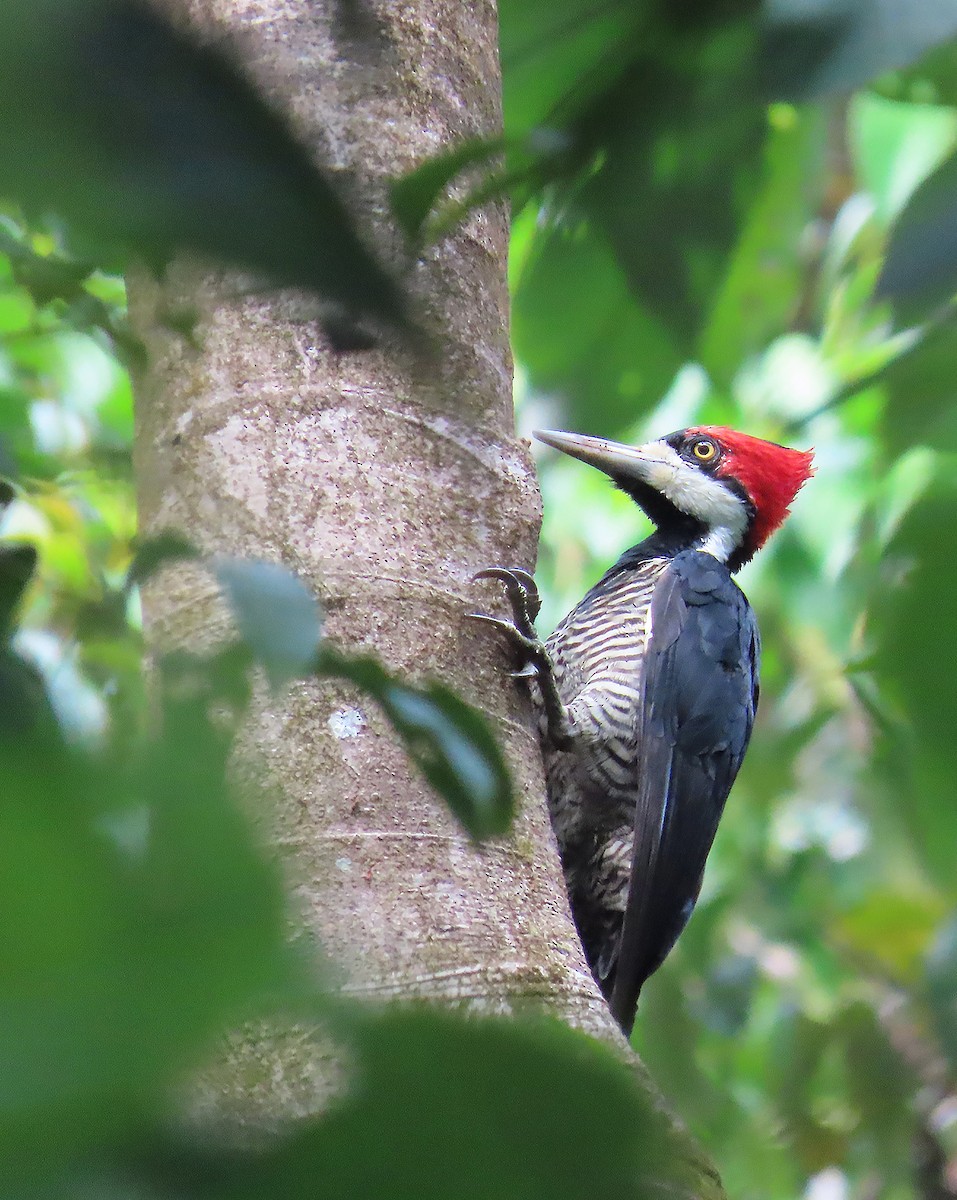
{"points": [[384, 485]]}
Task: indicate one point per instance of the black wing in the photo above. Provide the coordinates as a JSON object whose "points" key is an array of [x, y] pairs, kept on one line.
{"points": [[700, 691]]}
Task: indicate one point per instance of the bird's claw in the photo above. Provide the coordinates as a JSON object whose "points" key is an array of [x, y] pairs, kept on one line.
{"points": [[516, 636], [525, 603], [522, 593], [536, 664], [529, 671]]}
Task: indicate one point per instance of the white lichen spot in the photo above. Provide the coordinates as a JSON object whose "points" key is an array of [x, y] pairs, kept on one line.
{"points": [[183, 422], [347, 722], [344, 864]]}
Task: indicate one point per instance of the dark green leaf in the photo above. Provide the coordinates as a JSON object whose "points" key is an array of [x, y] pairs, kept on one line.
{"points": [[25, 710], [139, 134], [661, 162], [47, 277], [416, 194], [942, 987], [880, 1083], [449, 741], [583, 338], [157, 552], [139, 917], [17, 564], [557, 57], [477, 1110], [277, 615], [921, 564], [672, 215], [836, 45], [920, 408], [920, 271]]}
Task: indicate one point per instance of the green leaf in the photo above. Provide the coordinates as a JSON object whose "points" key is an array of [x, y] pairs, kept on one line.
{"points": [[660, 164], [942, 987], [582, 337], [933, 80], [681, 138], [25, 710], [920, 408], [921, 588], [47, 277], [835, 45], [155, 553], [139, 134], [17, 564], [557, 56], [895, 147], [449, 742], [416, 194], [477, 1110], [891, 927], [139, 917], [762, 287], [277, 615], [920, 271]]}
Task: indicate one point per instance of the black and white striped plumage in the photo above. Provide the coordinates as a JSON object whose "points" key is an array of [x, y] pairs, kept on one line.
{"points": [[648, 689]]}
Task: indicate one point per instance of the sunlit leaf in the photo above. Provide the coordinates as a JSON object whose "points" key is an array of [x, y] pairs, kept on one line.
{"points": [[896, 146]]}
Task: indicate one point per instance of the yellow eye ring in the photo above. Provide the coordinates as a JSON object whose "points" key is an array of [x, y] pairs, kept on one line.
{"points": [[704, 451]]}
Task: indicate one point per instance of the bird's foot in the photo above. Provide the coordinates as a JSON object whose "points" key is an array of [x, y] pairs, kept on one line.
{"points": [[522, 594]]}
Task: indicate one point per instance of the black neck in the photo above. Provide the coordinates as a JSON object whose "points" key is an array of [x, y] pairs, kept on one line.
{"points": [[674, 530]]}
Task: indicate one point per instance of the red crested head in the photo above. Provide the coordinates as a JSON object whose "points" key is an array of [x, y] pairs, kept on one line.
{"points": [[706, 488], [770, 474]]}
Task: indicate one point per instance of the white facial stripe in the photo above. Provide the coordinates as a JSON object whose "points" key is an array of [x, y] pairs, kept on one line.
{"points": [[699, 495]]}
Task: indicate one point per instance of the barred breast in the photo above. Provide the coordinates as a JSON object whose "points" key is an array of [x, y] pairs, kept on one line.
{"points": [[597, 653]]}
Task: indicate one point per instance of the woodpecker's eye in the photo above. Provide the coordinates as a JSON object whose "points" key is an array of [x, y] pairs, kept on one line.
{"points": [[704, 450]]}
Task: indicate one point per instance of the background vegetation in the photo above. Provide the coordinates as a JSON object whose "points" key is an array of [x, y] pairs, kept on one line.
{"points": [[724, 213]]}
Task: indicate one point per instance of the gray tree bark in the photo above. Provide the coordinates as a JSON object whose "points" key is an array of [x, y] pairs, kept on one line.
{"points": [[385, 486]]}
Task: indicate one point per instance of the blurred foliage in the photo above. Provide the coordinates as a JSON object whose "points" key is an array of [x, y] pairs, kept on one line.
{"points": [[711, 225], [804, 1024], [141, 918], [145, 138]]}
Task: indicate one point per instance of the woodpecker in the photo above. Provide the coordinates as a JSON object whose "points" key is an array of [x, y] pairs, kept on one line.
{"points": [[647, 690]]}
